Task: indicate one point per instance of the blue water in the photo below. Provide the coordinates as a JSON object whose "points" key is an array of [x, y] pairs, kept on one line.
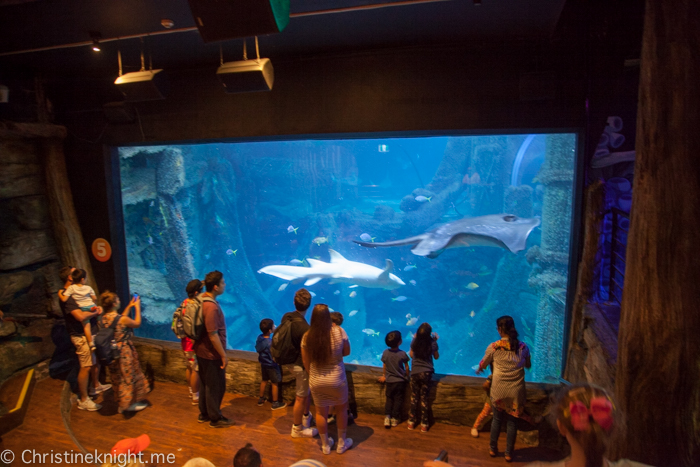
{"points": [[240, 207]]}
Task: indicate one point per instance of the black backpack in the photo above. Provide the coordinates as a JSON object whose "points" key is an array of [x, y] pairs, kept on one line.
{"points": [[106, 348], [282, 348]]}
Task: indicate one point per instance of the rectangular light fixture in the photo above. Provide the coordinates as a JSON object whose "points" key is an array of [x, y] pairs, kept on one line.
{"points": [[247, 75], [145, 85]]}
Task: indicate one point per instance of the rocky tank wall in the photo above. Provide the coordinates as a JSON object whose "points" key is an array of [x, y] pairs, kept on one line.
{"points": [[38, 234]]}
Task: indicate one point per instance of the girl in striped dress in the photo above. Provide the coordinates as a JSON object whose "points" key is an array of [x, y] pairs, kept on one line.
{"points": [[322, 350], [509, 357]]}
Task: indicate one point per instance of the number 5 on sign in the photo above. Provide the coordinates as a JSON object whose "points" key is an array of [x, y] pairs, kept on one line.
{"points": [[101, 250]]}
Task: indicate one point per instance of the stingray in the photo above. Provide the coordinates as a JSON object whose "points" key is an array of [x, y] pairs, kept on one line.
{"points": [[495, 230]]}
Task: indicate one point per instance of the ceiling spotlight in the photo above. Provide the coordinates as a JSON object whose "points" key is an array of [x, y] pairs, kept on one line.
{"points": [[246, 75], [95, 36]]}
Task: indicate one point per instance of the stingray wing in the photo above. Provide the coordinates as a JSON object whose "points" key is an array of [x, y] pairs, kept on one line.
{"points": [[499, 230]]}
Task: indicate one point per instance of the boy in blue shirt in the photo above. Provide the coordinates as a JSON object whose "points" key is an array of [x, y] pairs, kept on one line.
{"points": [[395, 376], [270, 370]]}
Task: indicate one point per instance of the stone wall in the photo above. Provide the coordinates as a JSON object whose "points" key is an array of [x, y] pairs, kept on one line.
{"points": [[29, 257], [456, 399]]}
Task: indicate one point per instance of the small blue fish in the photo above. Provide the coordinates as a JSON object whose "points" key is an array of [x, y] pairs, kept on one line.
{"points": [[296, 262], [337, 292], [291, 229], [409, 267], [400, 298], [150, 240], [353, 313], [153, 203], [412, 321], [367, 237], [370, 332], [231, 252], [423, 199], [412, 282], [282, 287], [353, 294], [312, 294]]}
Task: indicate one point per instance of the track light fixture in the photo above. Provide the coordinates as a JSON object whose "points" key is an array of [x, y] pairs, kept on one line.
{"points": [[142, 85], [246, 75], [95, 36]]}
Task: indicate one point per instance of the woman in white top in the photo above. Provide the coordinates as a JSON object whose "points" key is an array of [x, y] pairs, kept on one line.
{"points": [[322, 350]]}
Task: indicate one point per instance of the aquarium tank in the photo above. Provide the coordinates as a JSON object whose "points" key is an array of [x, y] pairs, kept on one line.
{"points": [[454, 231]]}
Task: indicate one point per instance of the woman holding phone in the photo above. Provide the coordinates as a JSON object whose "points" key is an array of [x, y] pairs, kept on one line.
{"points": [[128, 381]]}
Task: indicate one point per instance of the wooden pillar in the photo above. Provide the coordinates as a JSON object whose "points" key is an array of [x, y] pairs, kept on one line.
{"points": [[658, 375], [67, 233]]}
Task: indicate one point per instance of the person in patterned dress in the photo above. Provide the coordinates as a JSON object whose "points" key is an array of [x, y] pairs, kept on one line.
{"points": [[128, 381], [509, 357]]}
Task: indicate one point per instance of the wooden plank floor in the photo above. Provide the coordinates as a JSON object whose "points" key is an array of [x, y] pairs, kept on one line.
{"points": [[171, 422]]}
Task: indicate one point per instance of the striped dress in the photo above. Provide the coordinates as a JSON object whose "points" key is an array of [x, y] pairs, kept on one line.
{"points": [[508, 386], [327, 382]]}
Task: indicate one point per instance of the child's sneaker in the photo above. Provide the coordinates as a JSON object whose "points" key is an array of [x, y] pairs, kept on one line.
{"points": [[423, 428], [261, 401], [278, 405], [475, 433], [303, 432], [89, 405], [195, 398], [343, 445], [394, 422], [327, 448], [307, 420], [387, 422], [330, 419], [411, 425]]}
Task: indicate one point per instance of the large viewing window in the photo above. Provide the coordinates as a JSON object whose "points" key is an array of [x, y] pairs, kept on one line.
{"points": [[487, 223]]}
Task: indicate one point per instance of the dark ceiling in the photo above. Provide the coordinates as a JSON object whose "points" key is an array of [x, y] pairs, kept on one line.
{"points": [[31, 24]]}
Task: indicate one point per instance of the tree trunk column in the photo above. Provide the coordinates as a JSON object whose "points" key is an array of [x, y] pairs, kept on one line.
{"points": [[658, 372], [69, 237]]}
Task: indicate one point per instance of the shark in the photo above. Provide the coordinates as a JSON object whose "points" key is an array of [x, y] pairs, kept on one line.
{"points": [[338, 270], [495, 230]]}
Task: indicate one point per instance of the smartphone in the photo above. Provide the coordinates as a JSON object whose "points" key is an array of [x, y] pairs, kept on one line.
{"points": [[136, 296], [442, 456]]}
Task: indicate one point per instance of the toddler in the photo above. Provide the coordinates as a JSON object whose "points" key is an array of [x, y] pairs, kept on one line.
{"points": [[270, 370], [395, 362], [85, 297]]}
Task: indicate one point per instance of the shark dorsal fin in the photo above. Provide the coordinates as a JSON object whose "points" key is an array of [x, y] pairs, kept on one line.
{"points": [[387, 270], [336, 257], [314, 262]]}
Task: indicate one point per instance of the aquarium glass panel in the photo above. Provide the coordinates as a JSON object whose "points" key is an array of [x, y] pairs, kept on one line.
{"points": [[391, 232]]}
